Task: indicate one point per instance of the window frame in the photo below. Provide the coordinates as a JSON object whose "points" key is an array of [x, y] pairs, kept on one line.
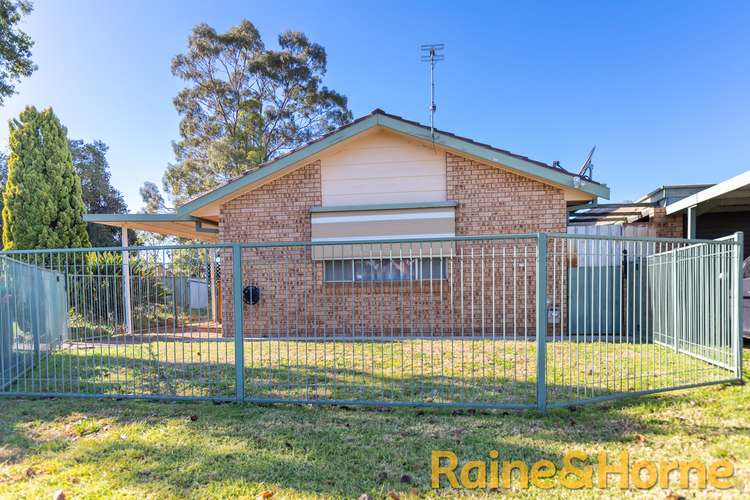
{"points": [[423, 263]]}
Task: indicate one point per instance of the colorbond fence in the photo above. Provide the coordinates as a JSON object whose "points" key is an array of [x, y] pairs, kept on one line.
{"points": [[507, 321]]}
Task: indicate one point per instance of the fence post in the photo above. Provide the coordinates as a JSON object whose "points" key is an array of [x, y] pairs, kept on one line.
{"points": [[675, 316], [541, 321], [239, 345], [738, 304]]}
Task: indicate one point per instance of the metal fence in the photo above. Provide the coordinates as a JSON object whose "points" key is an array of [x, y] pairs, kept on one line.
{"points": [[507, 321], [33, 320], [644, 315]]}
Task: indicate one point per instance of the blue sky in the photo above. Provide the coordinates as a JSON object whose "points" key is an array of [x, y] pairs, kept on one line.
{"points": [[662, 88]]}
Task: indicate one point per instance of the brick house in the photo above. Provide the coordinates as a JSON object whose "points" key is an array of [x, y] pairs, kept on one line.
{"points": [[381, 177]]}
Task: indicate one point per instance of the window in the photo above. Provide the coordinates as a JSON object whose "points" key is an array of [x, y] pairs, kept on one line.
{"points": [[404, 269]]}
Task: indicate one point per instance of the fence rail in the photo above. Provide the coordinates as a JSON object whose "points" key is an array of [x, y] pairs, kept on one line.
{"points": [[506, 321]]}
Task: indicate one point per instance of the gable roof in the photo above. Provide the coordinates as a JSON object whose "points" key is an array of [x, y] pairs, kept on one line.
{"points": [[379, 118]]}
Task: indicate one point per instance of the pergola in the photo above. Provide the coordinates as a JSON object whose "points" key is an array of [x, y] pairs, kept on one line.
{"points": [[170, 224], [176, 224]]}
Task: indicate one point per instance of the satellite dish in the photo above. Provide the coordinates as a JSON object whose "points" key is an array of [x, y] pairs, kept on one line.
{"points": [[587, 170]]}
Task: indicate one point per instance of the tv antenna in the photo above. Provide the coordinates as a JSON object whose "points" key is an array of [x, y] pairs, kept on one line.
{"points": [[432, 53], [587, 170]]}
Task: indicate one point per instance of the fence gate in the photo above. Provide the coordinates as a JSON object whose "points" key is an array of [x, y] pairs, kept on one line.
{"points": [[528, 321], [693, 303], [655, 314]]}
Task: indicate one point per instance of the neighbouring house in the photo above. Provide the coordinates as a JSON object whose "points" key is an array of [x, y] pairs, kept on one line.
{"points": [[702, 211], [379, 177]]}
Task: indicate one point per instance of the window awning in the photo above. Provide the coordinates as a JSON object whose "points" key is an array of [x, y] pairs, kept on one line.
{"points": [[365, 225]]}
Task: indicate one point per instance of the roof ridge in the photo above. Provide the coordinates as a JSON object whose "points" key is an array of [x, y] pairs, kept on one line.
{"points": [[379, 112]]}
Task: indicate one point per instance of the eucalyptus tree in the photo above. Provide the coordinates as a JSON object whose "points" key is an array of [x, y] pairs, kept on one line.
{"points": [[15, 46], [245, 104]]}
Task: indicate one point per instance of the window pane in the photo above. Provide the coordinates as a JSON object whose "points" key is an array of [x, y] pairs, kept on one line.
{"points": [[398, 269], [366, 270], [433, 269], [338, 270]]}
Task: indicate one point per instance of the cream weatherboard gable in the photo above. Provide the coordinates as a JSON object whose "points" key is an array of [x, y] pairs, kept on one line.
{"points": [[382, 167]]}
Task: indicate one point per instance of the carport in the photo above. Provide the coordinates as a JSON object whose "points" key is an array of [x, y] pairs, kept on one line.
{"points": [[718, 210], [180, 225]]}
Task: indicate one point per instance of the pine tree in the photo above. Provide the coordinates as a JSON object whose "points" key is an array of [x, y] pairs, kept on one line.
{"points": [[43, 205]]}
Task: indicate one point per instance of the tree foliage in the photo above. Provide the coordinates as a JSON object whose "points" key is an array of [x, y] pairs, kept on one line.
{"points": [[43, 205], [3, 180], [15, 46], [99, 196], [152, 198], [246, 104]]}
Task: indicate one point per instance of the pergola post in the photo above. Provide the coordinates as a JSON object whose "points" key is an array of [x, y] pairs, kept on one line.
{"points": [[691, 221], [126, 281]]}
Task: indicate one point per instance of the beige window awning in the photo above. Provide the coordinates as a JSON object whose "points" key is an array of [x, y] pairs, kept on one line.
{"points": [[364, 226]]}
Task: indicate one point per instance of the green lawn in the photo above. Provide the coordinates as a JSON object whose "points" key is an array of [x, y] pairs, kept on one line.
{"points": [[138, 449], [426, 370]]}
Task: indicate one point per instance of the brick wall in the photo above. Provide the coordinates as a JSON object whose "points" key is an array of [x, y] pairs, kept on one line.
{"points": [[656, 223], [493, 201], [663, 225], [477, 297], [278, 211]]}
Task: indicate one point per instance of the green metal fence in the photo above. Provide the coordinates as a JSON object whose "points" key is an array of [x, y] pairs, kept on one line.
{"points": [[664, 315], [506, 321], [693, 298]]}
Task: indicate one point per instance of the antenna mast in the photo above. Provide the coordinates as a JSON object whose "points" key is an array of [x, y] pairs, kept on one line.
{"points": [[432, 53]]}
